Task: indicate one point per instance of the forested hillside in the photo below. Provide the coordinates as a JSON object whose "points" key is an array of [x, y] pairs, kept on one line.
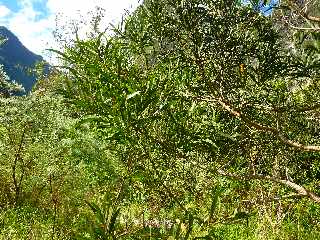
{"points": [[17, 60], [194, 119]]}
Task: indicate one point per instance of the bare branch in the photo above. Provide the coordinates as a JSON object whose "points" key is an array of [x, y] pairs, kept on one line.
{"points": [[301, 191], [313, 18], [265, 128], [293, 6], [298, 109], [260, 127], [305, 29]]}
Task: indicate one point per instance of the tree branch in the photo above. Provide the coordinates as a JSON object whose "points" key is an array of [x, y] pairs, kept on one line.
{"points": [[305, 29], [265, 128], [260, 127], [16, 182], [312, 18], [293, 6], [301, 191], [298, 109]]}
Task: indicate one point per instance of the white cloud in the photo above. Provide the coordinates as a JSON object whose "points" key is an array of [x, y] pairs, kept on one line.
{"points": [[70, 7], [4, 11], [35, 31]]}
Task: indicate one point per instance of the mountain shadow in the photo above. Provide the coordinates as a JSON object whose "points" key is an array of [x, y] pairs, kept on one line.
{"points": [[17, 59]]}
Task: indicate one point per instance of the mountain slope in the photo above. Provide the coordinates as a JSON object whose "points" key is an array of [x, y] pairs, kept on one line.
{"points": [[16, 59]]}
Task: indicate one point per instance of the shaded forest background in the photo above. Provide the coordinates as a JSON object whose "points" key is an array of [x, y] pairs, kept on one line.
{"points": [[194, 119]]}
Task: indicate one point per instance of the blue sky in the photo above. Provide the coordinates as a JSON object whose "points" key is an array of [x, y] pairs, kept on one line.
{"points": [[265, 8], [10, 4], [34, 20]]}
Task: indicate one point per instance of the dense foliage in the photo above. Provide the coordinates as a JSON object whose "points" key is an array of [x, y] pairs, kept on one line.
{"points": [[7, 87], [196, 119]]}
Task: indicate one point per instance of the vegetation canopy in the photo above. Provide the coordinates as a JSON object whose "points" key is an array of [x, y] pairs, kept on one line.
{"points": [[195, 119]]}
